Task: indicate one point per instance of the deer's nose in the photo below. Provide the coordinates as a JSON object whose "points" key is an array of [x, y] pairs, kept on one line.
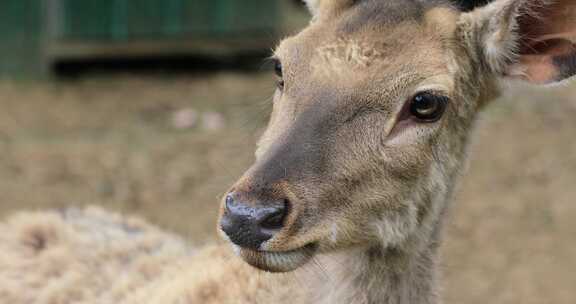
{"points": [[250, 225]]}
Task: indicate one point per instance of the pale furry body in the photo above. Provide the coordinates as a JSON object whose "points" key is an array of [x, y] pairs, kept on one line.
{"points": [[95, 257]]}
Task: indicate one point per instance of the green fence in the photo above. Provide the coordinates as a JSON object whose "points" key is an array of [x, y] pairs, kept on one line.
{"points": [[133, 19], [20, 37], [35, 33]]}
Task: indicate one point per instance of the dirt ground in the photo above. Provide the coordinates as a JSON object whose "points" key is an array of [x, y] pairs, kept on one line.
{"points": [[168, 147]]}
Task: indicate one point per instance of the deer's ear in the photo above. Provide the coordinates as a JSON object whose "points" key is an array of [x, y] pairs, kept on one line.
{"points": [[530, 40]]}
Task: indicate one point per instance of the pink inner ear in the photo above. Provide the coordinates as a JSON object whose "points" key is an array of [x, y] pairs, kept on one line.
{"points": [[535, 69], [556, 20], [548, 43]]}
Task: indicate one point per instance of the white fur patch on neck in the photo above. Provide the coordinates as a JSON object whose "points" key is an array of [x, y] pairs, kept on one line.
{"points": [[395, 226]]}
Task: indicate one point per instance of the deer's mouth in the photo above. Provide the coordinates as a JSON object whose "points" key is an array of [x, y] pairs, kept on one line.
{"points": [[277, 261]]}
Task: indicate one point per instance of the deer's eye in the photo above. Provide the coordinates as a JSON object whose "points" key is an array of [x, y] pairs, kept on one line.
{"points": [[278, 70], [428, 107]]}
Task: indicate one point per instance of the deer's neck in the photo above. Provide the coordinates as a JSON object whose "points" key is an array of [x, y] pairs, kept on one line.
{"points": [[379, 276], [385, 274]]}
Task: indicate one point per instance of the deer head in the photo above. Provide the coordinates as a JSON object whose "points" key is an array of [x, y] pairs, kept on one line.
{"points": [[375, 104]]}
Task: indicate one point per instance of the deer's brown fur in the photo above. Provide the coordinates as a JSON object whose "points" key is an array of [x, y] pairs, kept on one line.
{"points": [[368, 192]]}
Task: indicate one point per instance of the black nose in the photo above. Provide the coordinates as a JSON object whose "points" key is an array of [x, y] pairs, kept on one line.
{"points": [[249, 226]]}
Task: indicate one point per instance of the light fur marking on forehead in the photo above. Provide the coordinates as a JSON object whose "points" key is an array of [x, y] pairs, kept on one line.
{"points": [[349, 52], [347, 55]]}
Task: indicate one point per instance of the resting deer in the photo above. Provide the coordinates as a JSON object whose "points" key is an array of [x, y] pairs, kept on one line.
{"points": [[375, 105]]}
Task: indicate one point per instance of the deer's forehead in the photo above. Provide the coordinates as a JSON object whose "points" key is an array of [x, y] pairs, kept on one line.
{"points": [[349, 60]]}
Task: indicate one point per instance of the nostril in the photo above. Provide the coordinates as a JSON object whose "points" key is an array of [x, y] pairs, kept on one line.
{"points": [[229, 201], [274, 217]]}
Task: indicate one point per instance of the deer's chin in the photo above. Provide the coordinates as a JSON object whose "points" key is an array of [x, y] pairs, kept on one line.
{"points": [[277, 261]]}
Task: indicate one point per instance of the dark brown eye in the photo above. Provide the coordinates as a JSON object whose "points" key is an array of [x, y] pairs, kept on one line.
{"points": [[278, 70], [428, 107]]}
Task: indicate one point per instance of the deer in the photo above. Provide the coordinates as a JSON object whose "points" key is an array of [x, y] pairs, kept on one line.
{"points": [[375, 106]]}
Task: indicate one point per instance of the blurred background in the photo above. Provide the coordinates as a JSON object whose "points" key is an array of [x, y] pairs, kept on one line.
{"points": [[152, 107]]}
